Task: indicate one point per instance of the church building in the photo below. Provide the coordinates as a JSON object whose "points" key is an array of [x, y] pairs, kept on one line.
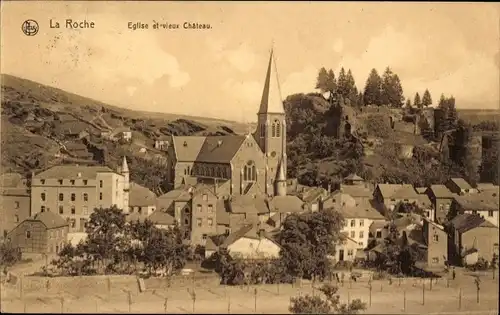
{"points": [[235, 171]]}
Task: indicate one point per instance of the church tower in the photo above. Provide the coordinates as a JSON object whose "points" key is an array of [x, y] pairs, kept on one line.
{"points": [[271, 126], [126, 184]]}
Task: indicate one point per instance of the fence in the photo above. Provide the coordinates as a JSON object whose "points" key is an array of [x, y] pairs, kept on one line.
{"points": [[120, 294]]}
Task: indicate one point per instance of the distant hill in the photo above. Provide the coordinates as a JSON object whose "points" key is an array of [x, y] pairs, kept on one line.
{"points": [[39, 122]]}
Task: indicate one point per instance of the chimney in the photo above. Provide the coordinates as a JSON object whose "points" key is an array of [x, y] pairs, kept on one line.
{"points": [[219, 143], [79, 175], [329, 188]]}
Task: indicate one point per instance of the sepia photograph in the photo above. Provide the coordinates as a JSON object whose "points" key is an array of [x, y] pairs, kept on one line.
{"points": [[247, 157]]}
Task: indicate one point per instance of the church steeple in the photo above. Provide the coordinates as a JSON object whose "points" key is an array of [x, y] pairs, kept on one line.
{"points": [[271, 127], [271, 101]]}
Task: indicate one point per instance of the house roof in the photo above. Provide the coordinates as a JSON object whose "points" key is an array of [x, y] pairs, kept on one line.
{"points": [[187, 148], [354, 177], [479, 202], [421, 190], [50, 219], [247, 204], [220, 149], [72, 172], [423, 200], [72, 145], [222, 215], [488, 187], [161, 218], [398, 191], [179, 194], [210, 245], [356, 191], [286, 204], [141, 196], [441, 191], [312, 194], [249, 231], [461, 183], [364, 210], [465, 222], [135, 216], [13, 180]]}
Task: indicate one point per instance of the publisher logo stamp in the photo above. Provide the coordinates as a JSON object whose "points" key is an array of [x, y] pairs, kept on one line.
{"points": [[30, 27]]}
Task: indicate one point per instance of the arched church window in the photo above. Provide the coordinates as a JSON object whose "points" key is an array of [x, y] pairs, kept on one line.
{"points": [[278, 128], [249, 172]]}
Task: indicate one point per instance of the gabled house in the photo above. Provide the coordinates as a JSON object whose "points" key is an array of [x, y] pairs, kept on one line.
{"points": [[485, 204], [459, 186], [441, 198], [436, 241], [15, 201], [142, 200], [472, 234], [312, 197], [43, 233], [251, 242], [389, 195], [347, 248]]}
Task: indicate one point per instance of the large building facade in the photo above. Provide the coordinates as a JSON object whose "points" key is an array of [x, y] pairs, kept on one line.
{"points": [[73, 192]]}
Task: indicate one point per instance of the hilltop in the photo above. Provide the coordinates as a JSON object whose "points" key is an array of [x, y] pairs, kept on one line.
{"points": [[44, 126]]}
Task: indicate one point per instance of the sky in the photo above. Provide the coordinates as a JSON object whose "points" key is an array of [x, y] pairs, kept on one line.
{"points": [[450, 48]]}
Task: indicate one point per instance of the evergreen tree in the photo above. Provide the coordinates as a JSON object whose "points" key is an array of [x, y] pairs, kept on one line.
{"points": [[397, 98], [361, 102], [372, 89], [408, 103], [322, 80], [392, 91], [442, 102], [342, 84], [331, 82], [426, 99], [416, 102], [352, 89]]}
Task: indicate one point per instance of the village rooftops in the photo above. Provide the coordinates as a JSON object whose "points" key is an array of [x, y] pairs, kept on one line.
{"points": [[478, 202], [441, 191], [354, 177], [398, 191], [465, 222], [461, 183], [73, 172], [354, 191], [363, 210], [286, 204], [51, 220], [161, 218], [247, 204], [248, 231], [141, 196]]}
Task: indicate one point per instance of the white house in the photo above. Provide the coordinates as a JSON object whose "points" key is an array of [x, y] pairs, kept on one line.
{"points": [[358, 219], [251, 242]]}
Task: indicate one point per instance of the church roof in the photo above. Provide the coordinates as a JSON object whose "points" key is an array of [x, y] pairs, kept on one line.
{"points": [[271, 101], [187, 148], [219, 149]]}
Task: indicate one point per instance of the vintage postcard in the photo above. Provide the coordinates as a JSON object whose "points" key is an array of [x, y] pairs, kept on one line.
{"points": [[249, 157]]}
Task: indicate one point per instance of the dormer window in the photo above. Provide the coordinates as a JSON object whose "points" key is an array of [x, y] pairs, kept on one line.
{"points": [[185, 144]]}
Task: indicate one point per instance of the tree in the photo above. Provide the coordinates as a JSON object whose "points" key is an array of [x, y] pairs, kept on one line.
{"points": [[408, 103], [426, 99], [343, 84], [352, 90], [392, 91], [361, 101], [330, 304], [326, 82], [105, 229], [9, 255], [416, 102], [307, 241], [373, 86]]}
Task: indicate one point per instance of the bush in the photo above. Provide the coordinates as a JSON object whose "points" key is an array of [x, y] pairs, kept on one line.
{"points": [[330, 304], [9, 255]]}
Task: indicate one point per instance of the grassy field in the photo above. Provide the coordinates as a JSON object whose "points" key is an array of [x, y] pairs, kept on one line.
{"points": [[453, 297]]}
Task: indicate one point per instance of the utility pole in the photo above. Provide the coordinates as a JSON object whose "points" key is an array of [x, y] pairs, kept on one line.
{"points": [[478, 283], [255, 302], [423, 293], [165, 305], [370, 287]]}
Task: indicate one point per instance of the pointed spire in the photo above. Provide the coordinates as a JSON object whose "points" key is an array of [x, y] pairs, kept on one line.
{"points": [[271, 101], [281, 173], [125, 165]]}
